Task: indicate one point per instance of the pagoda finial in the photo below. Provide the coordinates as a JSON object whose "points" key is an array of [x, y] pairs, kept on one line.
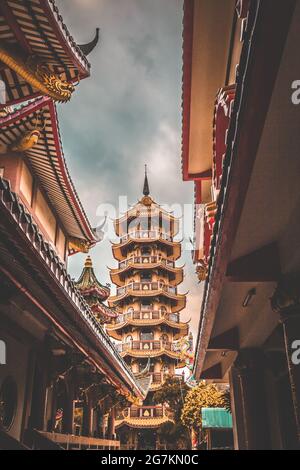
{"points": [[88, 262], [146, 190]]}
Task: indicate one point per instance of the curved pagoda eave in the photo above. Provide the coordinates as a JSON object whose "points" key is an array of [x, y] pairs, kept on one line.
{"points": [[178, 301], [153, 423], [117, 335], [120, 250], [142, 354], [121, 224], [116, 275], [116, 330]]}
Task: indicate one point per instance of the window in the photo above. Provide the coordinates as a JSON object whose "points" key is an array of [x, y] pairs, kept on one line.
{"points": [[8, 403], [146, 277], [146, 336]]}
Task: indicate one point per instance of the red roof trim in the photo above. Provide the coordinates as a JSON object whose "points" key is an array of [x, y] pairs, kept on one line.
{"points": [[35, 106], [188, 29], [66, 175], [66, 39]]}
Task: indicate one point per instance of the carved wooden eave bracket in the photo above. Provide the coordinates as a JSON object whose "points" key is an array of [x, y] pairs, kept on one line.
{"points": [[201, 270], [38, 75], [79, 245], [30, 138]]}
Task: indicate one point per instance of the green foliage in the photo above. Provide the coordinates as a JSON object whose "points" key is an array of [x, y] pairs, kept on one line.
{"points": [[227, 400], [175, 435], [173, 393], [202, 396]]}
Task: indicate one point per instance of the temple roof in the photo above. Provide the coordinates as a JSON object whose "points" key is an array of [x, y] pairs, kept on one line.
{"points": [[89, 284], [69, 312], [48, 163], [35, 28]]}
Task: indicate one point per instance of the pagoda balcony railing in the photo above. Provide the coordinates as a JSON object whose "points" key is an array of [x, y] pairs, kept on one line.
{"points": [[147, 315], [146, 259], [146, 286], [161, 377], [147, 345], [145, 412], [146, 234]]}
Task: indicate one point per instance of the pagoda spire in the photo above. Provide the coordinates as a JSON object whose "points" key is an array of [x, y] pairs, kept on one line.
{"points": [[146, 190]]}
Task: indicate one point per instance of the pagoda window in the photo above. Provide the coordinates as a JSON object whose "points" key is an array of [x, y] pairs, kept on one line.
{"points": [[142, 364], [146, 336], [164, 338], [128, 339], [146, 277], [163, 310], [146, 305], [146, 251]]}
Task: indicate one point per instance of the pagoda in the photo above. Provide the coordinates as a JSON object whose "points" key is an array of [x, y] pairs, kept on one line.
{"points": [[148, 324], [95, 293]]}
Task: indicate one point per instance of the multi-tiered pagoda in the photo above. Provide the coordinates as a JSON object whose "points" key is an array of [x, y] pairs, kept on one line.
{"points": [[95, 293], [148, 325]]}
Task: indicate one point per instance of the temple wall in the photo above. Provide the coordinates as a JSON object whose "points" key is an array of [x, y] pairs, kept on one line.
{"points": [[16, 368]]}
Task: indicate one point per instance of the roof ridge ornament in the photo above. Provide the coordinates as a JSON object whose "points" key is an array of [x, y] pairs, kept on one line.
{"points": [[90, 46]]}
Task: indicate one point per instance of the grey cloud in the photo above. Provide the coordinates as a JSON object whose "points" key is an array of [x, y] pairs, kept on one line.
{"points": [[127, 113]]}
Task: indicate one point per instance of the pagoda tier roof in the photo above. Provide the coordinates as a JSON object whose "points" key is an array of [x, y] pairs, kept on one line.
{"points": [[88, 283], [178, 300], [154, 354], [145, 208], [34, 29], [143, 422], [116, 330], [120, 250], [106, 313], [175, 278], [48, 163], [40, 275]]}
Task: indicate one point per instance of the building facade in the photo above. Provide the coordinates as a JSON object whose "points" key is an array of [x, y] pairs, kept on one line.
{"points": [[148, 325], [60, 375], [240, 148]]}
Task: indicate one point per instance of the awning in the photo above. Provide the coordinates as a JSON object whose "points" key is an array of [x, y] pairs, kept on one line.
{"points": [[216, 418]]}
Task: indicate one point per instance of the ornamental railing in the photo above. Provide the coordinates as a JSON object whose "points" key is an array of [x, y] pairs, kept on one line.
{"points": [[145, 412], [146, 234], [149, 259], [146, 287], [146, 315], [147, 345], [160, 377]]}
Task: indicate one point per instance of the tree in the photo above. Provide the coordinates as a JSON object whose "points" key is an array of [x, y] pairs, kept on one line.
{"points": [[202, 396], [227, 400], [173, 393]]}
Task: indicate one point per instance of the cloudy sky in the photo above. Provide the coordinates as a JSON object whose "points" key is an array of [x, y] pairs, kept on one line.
{"points": [[126, 114]]}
